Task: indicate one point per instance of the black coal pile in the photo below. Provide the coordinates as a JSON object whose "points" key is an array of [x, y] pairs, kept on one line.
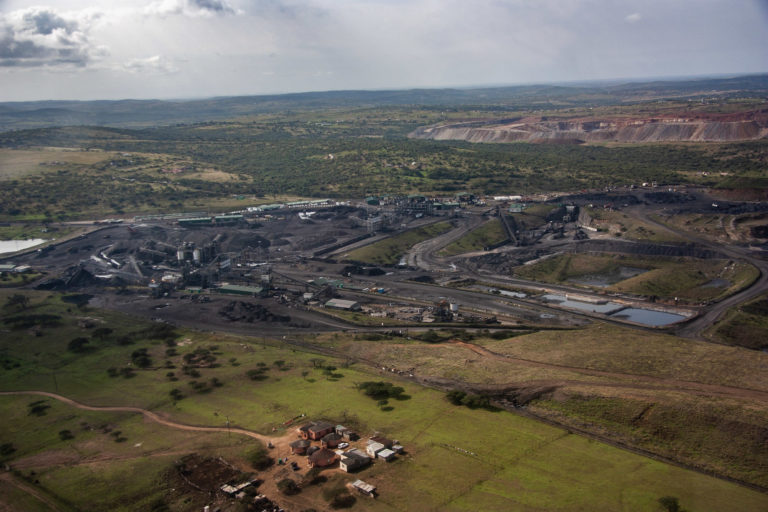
{"points": [[239, 311]]}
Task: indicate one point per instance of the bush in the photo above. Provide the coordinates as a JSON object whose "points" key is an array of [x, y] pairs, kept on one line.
{"points": [[380, 390], [257, 374], [78, 345], [258, 457], [288, 487], [339, 497], [455, 396]]}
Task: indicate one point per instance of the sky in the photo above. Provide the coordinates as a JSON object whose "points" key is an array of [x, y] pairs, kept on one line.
{"points": [[100, 49]]}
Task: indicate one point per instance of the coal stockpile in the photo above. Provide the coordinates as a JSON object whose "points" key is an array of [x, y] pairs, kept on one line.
{"points": [[239, 311]]}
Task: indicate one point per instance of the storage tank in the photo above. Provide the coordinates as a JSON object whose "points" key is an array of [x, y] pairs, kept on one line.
{"points": [[454, 308]]}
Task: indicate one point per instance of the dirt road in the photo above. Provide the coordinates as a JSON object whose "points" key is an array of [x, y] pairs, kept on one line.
{"points": [[147, 414]]}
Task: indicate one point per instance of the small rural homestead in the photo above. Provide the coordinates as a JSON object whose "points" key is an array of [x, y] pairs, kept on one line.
{"points": [[330, 437], [347, 305]]}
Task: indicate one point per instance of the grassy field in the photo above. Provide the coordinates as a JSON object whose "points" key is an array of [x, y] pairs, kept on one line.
{"points": [[688, 426], [456, 456], [622, 225], [490, 233], [533, 216], [390, 250], [689, 279], [15, 163], [718, 227], [746, 326]]}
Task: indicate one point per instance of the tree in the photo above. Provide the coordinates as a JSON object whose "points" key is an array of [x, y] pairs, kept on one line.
{"points": [[288, 487], [259, 458], [78, 345], [18, 301], [102, 333], [670, 504]]}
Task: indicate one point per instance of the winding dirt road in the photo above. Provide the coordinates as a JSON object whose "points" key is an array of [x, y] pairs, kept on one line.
{"points": [[147, 414]]}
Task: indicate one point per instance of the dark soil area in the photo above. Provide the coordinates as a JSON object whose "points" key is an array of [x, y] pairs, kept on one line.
{"points": [[239, 311]]}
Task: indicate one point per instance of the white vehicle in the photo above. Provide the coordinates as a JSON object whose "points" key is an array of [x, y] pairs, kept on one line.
{"points": [[343, 445]]}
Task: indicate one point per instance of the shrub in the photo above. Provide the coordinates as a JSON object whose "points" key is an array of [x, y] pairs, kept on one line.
{"points": [[258, 457], [288, 487], [78, 345]]}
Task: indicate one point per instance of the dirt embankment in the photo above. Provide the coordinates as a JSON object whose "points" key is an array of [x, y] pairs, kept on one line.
{"points": [[683, 128]]}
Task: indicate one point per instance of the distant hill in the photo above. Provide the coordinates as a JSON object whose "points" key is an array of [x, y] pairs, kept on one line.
{"points": [[144, 113]]}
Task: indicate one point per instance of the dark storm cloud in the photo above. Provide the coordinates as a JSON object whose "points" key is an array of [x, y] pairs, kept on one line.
{"points": [[213, 5], [41, 37], [191, 8], [45, 22]]}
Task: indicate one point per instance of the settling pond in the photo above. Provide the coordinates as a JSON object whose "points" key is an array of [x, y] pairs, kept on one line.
{"points": [[618, 311], [19, 245]]}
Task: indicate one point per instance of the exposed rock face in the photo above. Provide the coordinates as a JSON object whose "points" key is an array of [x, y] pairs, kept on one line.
{"points": [[694, 128]]}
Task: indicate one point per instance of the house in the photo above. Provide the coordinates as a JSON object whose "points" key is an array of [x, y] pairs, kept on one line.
{"points": [[341, 429], [321, 458], [300, 447], [331, 440], [352, 460], [318, 430], [397, 448], [382, 440], [364, 488], [348, 435], [374, 448], [386, 454]]}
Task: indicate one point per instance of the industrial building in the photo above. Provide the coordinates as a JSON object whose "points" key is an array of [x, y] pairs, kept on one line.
{"points": [[236, 289], [348, 305]]}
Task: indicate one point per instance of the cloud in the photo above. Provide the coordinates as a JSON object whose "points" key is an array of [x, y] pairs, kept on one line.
{"points": [[191, 8], [633, 18], [156, 64], [37, 37]]}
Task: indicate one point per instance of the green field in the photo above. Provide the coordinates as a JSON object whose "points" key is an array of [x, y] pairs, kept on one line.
{"points": [[688, 279], [622, 225], [390, 250], [458, 458], [19, 163], [746, 325], [490, 233], [273, 154]]}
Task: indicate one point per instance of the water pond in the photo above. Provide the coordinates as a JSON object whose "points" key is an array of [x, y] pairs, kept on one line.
{"points": [[19, 245], [561, 300], [647, 316]]}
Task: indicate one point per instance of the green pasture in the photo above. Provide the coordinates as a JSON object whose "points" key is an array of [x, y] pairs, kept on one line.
{"points": [[490, 233], [686, 278], [746, 325], [456, 455], [390, 250]]}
